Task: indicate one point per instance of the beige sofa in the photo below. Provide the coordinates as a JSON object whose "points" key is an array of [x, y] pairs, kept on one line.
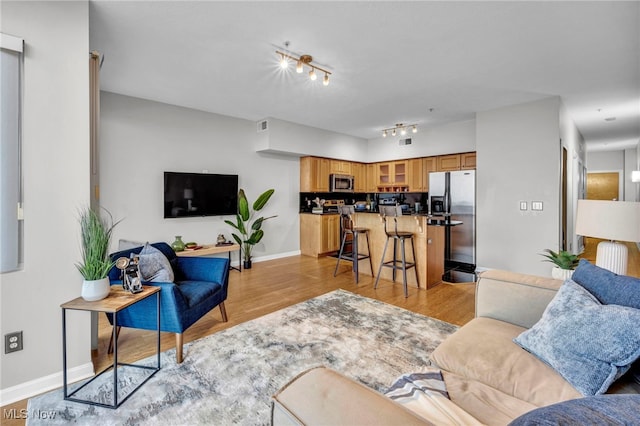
{"points": [[486, 374]]}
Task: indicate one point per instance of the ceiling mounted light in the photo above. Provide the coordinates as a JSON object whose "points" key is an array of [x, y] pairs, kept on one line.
{"points": [[284, 62], [402, 128], [301, 62]]}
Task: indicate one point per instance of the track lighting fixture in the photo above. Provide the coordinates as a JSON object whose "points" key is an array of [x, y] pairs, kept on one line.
{"points": [[300, 63], [402, 128]]}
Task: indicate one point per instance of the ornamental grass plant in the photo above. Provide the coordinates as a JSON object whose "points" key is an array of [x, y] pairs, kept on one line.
{"points": [[96, 236]]}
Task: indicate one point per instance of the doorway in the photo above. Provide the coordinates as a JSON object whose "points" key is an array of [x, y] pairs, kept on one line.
{"points": [[603, 186]]}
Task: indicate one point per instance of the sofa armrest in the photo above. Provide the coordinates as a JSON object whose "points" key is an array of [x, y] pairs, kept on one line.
{"points": [[321, 396], [513, 297]]}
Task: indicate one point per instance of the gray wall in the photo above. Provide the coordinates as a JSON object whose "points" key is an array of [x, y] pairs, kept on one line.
{"points": [[141, 139], [56, 183], [518, 157]]}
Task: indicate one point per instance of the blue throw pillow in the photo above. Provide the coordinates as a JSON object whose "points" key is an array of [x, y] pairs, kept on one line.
{"points": [[607, 287], [593, 410], [588, 343]]}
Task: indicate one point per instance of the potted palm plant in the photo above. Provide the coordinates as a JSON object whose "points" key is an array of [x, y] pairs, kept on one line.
{"points": [[96, 263], [249, 228], [564, 261]]}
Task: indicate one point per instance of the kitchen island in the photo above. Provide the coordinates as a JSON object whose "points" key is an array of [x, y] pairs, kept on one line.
{"points": [[320, 235], [428, 242]]}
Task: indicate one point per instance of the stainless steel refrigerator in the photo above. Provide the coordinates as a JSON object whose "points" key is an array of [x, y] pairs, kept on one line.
{"points": [[453, 196]]}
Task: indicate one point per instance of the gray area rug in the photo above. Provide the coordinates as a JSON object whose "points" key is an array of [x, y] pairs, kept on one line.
{"points": [[230, 376]]}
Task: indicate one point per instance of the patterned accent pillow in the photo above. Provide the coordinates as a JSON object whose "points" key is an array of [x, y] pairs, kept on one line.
{"points": [[426, 395], [588, 343], [154, 266]]}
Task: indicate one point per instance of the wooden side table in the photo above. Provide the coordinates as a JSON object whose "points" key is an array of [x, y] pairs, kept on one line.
{"points": [[208, 249], [117, 300]]}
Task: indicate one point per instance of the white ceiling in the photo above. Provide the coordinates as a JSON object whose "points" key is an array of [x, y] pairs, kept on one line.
{"points": [[391, 61]]}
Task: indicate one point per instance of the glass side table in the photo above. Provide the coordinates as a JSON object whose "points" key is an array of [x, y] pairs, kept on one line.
{"points": [[117, 300]]}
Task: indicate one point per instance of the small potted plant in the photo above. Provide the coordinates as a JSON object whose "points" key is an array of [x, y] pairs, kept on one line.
{"points": [[96, 263], [249, 228], [564, 261]]}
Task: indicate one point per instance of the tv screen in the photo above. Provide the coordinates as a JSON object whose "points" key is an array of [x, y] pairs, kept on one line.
{"points": [[199, 194]]}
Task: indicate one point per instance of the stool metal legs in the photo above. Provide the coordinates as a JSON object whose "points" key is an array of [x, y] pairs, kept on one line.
{"points": [[393, 264], [356, 256]]}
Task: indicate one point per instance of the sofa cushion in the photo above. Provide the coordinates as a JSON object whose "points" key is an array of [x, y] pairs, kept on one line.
{"points": [[484, 350], [589, 344], [593, 410], [607, 287], [195, 292], [488, 405], [154, 265]]}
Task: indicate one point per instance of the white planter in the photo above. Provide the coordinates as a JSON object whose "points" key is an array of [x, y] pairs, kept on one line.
{"points": [[561, 274], [96, 289]]}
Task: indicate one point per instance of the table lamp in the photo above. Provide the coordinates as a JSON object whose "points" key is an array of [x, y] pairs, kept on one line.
{"points": [[610, 220]]}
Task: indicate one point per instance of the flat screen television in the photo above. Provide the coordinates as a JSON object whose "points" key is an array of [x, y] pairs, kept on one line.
{"points": [[199, 194]]}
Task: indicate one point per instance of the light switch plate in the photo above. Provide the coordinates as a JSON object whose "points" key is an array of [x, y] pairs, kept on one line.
{"points": [[536, 205], [523, 205]]}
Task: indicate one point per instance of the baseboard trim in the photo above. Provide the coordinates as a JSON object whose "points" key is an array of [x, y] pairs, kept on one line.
{"points": [[44, 384], [275, 256]]}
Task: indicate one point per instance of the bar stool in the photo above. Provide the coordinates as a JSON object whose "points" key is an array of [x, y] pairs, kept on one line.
{"points": [[348, 228], [398, 237]]}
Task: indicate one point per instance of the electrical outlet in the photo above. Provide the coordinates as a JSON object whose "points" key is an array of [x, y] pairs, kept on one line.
{"points": [[13, 342]]}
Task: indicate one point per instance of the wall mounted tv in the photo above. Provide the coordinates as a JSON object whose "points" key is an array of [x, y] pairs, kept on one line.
{"points": [[199, 194]]}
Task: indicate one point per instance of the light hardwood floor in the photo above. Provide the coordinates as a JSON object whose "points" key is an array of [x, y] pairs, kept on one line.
{"points": [[276, 284]]}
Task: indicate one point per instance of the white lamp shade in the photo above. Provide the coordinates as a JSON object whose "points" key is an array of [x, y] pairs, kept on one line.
{"points": [[635, 176], [188, 194], [610, 220]]}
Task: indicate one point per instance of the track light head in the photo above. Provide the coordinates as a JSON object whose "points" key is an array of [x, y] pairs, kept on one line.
{"points": [[384, 133], [414, 129], [300, 63]]}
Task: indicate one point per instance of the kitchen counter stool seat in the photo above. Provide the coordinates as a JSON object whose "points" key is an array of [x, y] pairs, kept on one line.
{"points": [[399, 238], [348, 228]]}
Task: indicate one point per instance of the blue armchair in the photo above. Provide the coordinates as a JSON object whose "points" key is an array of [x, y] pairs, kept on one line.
{"points": [[200, 285]]}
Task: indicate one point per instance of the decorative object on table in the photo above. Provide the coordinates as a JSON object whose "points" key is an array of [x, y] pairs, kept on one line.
{"points": [[178, 244], [564, 261], [250, 229], [96, 263], [221, 239], [131, 279], [614, 221], [192, 245]]}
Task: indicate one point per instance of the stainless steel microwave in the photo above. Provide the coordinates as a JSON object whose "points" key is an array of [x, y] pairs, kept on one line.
{"points": [[341, 183]]}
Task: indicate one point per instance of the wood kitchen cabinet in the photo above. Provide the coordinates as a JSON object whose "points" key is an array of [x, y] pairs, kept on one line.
{"points": [[372, 177], [319, 234], [448, 163], [314, 174], [416, 175], [468, 161], [435, 255], [393, 176], [430, 164], [340, 167], [359, 171]]}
